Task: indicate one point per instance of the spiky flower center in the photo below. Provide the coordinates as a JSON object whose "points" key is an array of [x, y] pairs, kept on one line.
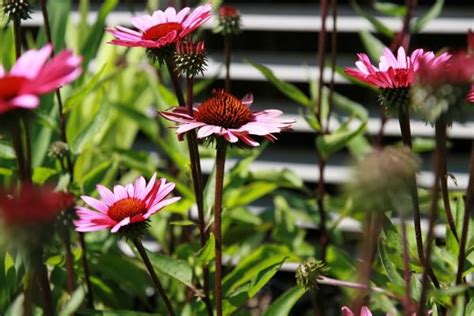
{"points": [[225, 110], [158, 31], [128, 207]]}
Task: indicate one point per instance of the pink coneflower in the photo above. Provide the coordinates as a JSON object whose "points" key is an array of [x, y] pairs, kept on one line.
{"points": [[33, 75], [162, 28], [364, 311], [31, 205], [129, 204], [226, 116], [392, 72]]}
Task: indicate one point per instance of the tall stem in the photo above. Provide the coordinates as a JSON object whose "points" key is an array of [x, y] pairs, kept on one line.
{"points": [[468, 210], [406, 265], [17, 35], [69, 260], [17, 141], [141, 250], [85, 267], [200, 205], [43, 282], [404, 120], [220, 165], [441, 144], [432, 219], [228, 57]]}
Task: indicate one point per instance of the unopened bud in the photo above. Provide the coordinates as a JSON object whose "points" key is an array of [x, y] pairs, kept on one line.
{"points": [[58, 150], [229, 21], [17, 9], [308, 272], [190, 58]]}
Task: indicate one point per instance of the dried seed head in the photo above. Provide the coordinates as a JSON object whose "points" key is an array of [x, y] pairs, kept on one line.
{"points": [[190, 58], [381, 176], [17, 9], [308, 272]]}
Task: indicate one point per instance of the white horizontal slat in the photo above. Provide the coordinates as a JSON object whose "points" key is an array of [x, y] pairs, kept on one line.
{"points": [[295, 19]]}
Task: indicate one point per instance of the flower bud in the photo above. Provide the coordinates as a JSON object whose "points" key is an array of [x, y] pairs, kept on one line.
{"points": [[229, 21], [190, 58], [58, 150], [17, 9], [308, 272]]}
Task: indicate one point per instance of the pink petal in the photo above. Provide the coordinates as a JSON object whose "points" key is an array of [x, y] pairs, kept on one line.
{"points": [[31, 62], [123, 222], [98, 205], [346, 311], [155, 208], [143, 22], [120, 192], [107, 196], [247, 99], [140, 184], [27, 101]]}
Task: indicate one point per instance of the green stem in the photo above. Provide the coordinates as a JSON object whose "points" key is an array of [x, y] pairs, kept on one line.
{"points": [[228, 58], [141, 250], [220, 165]]}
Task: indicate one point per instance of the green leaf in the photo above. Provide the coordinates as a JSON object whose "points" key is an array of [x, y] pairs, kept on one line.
{"points": [[147, 124], [246, 292], [376, 23], [176, 269], [288, 89], [249, 193], [350, 107], [389, 8], [423, 145], [91, 45], [250, 266], [183, 223], [373, 46], [85, 90], [87, 134], [74, 303], [206, 254], [58, 22], [432, 13], [283, 305], [331, 143], [42, 174], [95, 176], [7, 152]]}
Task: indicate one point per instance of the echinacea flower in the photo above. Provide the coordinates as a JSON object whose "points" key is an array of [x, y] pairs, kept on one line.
{"points": [[33, 75], [30, 205], [393, 72], [162, 28], [229, 20], [364, 311], [226, 116], [125, 205]]}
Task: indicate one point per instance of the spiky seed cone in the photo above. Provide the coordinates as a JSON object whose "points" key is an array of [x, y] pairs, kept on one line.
{"points": [[17, 9], [308, 272]]}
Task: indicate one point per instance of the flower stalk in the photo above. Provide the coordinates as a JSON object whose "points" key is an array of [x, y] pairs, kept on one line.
{"points": [[469, 207], [43, 282], [432, 219], [141, 250], [200, 205], [220, 165], [228, 60]]}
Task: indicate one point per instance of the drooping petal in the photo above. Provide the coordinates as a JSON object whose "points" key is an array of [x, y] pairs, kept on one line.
{"points": [[31, 62]]}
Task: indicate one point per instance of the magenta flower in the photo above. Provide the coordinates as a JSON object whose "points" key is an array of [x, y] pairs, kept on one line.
{"points": [[162, 28], [33, 75], [364, 311], [129, 204], [393, 72], [229, 117], [470, 96]]}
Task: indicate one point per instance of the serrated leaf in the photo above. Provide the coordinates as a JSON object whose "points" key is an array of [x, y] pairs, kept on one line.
{"points": [[288, 89]]}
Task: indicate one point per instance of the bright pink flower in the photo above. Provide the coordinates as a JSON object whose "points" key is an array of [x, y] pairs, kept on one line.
{"points": [[364, 311], [470, 96], [393, 72], [32, 205], [126, 205], [33, 75], [227, 116], [161, 28], [458, 69]]}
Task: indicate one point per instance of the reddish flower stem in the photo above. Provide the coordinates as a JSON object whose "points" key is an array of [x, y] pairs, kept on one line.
{"points": [[444, 182], [333, 61], [404, 120], [228, 59], [219, 190], [406, 265], [354, 285], [85, 267], [17, 36], [43, 282], [200, 205], [439, 126], [17, 142], [321, 189], [468, 210], [69, 260], [141, 250]]}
